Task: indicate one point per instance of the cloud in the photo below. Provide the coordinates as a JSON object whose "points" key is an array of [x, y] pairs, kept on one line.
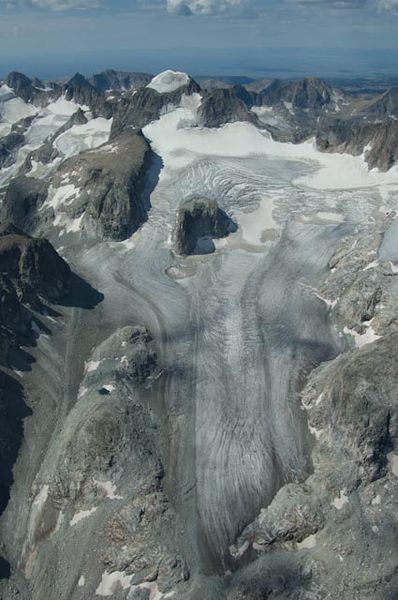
{"points": [[339, 4], [382, 5], [58, 5], [206, 7], [388, 5]]}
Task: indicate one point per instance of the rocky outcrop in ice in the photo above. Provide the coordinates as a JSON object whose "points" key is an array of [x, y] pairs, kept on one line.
{"points": [[198, 221]]}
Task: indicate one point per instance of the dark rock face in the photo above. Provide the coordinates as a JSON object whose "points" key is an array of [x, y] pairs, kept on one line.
{"points": [[310, 93], [381, 107], [23, 125], [200, 218], [30, 269], [11, 143], [14, 319], [111, 184], [21, 85], [353, 135], [32, 91], [33, 266], [223, 106], [138, 109], [8, 147], [119, 80], [80, 90], [362, 405], [23, 197]]}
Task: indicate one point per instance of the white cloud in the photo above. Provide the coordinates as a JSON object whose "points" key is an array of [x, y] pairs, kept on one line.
{"points": [[52, 4], [339, 4], [205, 7], [389, 5]]}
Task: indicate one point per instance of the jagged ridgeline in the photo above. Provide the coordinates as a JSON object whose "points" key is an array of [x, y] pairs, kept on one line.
{"points": [[198, 330]]}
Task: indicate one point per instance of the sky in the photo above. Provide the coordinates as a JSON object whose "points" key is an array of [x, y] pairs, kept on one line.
{"points": [[256, 38]]}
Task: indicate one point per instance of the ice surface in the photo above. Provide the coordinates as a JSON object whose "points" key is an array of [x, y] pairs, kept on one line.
{"points": [[84, 137], [13, 109], [254, 224], [49, 120], [389, 247], [168, 81], [180, 146]]}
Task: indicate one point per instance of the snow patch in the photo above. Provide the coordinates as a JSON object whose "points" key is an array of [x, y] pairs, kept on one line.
{"points": [[340, 501], [58, 197], [83, 514], [308, 543], [368, 337], [371, 265], [81, 581], [91, 365], [316, 432], [393, 463], [109, 488], [168, 81], [109, 387], [112, 583]]}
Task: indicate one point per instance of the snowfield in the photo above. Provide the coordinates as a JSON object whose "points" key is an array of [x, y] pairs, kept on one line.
{"points": [[168, 81]]}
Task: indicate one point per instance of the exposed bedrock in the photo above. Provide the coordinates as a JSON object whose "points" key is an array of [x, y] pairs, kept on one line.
{"points": [[79, 89], [199, 219], [23, 198], [8, 147], [31, 272], [119, 80], [32, 265], [108, 191], [310, 93], [223, 106], [376, 140], [100, 491], [109, 186]]}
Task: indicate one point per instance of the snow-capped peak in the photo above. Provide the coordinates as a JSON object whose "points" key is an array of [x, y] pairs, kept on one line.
{"points": [[168, 81]]}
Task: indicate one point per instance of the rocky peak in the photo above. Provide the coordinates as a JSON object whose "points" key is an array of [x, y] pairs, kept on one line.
{"points": [[118, 80], [221, 106], [21, 85], [311, 93], [78, 81], [81, 91]]}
